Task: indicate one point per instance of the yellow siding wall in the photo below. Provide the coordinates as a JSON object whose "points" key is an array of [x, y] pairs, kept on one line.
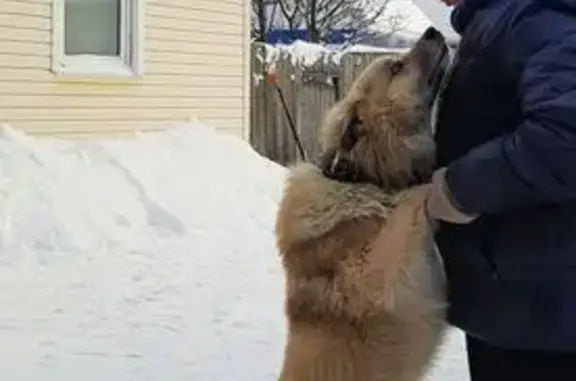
{"points": [[195, 61]]}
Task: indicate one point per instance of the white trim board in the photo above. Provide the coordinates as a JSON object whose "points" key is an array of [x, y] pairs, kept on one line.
{"points": [[128, 64]]}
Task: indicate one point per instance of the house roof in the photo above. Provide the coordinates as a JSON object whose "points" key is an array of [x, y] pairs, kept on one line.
{"points": [[435, 12], [421, 14]]}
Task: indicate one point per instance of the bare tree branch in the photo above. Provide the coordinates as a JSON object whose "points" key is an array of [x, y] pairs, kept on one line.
{"points": [[292, 11], [322, 17], [258, 20], [272, 17], [331, 12]]}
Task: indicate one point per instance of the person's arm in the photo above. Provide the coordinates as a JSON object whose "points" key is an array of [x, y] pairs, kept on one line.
{"points": [[537, 163]]}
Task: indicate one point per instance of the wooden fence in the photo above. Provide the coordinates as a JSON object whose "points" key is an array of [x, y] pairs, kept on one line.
{"points": [[309, 90]]}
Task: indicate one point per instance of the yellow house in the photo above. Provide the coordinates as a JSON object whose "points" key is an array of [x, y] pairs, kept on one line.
{"points": [[83, 67]]}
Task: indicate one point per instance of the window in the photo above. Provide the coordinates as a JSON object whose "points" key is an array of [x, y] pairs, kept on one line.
{"points": [[97, 37]]}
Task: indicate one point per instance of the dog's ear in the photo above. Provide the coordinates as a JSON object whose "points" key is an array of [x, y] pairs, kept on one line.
{"points": [[337, 163], [351, 133]]}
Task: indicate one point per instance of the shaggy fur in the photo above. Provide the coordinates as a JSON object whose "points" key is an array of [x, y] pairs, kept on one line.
{"points": [[365, 296]]}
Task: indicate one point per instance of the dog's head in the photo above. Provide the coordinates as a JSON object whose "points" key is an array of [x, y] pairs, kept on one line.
{"points": [[380, 132]]}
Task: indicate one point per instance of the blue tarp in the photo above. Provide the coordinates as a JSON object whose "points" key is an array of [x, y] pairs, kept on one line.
{"points": [[287, 36]]}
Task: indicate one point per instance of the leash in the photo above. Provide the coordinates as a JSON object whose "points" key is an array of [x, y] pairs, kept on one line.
{"points": [[336, 84], [273, 80]]}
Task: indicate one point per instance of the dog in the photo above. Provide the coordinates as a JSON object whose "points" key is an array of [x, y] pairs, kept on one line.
{"points": [[365, 294]]}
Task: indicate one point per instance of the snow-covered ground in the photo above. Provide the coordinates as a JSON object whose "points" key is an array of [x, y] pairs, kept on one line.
{"points": [[150, 258]]}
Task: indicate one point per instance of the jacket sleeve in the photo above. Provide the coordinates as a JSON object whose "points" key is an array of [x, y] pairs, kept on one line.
{"points": [[536, 164]]}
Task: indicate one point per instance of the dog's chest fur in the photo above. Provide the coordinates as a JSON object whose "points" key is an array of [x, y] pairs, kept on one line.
{"points": [[345, 323], [313, 204]]}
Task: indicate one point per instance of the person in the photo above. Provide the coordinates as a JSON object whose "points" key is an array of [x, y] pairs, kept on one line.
{"points": [[504, 194]]}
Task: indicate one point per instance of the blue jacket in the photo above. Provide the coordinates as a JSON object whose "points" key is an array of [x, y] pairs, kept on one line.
{"points": [[506, 130]]}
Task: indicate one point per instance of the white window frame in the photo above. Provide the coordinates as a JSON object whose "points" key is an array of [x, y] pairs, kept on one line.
{"points": [[128, 64]]}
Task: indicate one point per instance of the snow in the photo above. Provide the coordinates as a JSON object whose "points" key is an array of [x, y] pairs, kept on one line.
{"points": [[418, 15], [144, 258], [301, 53], [361, 48], [439, 15], [306, 54], [414, 21]]}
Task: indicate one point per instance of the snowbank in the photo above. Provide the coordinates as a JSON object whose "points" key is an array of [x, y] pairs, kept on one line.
{"points": [[140, 259], [147, 258]]}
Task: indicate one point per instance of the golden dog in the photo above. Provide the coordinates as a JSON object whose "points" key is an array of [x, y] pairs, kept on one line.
{"points": [[365, 293]]}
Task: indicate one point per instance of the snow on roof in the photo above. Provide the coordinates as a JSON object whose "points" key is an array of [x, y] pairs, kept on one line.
{"points": [[301, 53], [414, 21], [439, 15], [419, 15], [360, 48]]}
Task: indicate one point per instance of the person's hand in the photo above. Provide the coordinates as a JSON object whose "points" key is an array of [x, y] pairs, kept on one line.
{"points": [[441, 206], [450, 2]]}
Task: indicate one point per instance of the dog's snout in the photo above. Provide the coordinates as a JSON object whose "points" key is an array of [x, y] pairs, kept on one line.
{"points": [[432, 34]]}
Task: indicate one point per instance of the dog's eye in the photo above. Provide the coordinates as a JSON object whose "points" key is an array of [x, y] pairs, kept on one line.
{"points": [[396, 68]]}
